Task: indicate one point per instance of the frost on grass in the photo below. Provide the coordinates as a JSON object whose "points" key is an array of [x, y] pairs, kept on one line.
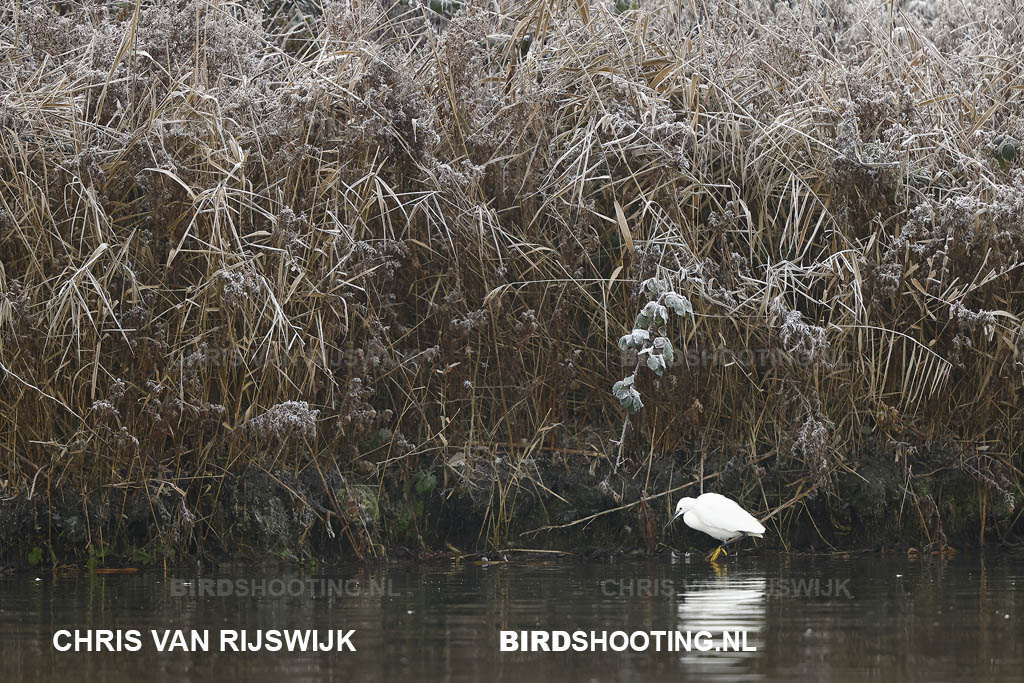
{"points": [[807, 343], [436, 221], [290, 422]]}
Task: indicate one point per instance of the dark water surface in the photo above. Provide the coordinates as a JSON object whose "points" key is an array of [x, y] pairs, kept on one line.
{"points": [[809, 618]]}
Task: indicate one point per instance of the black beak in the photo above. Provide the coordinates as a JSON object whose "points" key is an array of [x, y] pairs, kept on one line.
{"points": [[674, 517]]}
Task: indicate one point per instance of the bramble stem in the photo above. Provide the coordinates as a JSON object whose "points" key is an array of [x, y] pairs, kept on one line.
{"points": [[639, 361]]}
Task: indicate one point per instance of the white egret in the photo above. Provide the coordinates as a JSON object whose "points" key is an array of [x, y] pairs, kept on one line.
{"points": [[719, 517]]}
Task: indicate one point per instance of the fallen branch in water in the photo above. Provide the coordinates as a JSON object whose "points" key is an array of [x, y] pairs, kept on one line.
{"points": [[642, 499]]}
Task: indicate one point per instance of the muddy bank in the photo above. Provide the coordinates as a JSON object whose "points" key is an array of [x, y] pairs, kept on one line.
{"points": [[541, 502]]}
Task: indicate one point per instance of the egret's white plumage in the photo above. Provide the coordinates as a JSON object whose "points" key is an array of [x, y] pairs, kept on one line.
{"points": [[717, 516]]}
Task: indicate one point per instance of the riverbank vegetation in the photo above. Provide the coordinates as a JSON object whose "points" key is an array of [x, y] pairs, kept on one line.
{"points": [[354, 278]]}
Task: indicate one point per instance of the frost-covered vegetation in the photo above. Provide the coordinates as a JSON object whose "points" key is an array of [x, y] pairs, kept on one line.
{"points": [[359, 247], [652, 348]]}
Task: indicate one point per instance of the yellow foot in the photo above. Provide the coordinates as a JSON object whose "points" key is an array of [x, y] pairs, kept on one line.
{"points": [[713, 556]]}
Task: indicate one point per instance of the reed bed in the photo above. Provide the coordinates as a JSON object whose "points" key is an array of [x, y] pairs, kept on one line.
{"points": [[365, 241]]}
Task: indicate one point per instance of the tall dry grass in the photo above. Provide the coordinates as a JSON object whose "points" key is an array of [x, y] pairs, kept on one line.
{"points": [[363, 241]]}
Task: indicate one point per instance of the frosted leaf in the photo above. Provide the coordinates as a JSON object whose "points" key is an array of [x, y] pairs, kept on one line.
{"points": [[629, 397], [622, 387], [634, 340], [665, 346], [678, 303], [653, 311], [654, 286]]}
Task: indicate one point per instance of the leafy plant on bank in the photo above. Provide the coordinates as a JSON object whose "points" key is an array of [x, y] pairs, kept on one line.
{"points": [[649, 339]]}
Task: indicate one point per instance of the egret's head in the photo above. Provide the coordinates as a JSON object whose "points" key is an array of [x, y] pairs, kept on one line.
{"points": [[682, 507]]}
